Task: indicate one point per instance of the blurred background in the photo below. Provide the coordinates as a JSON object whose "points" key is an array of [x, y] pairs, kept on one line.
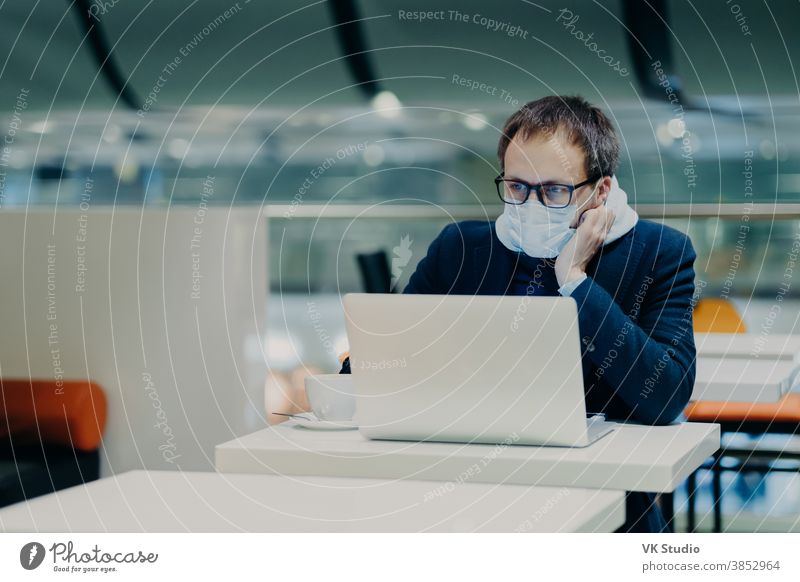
{"points": [[340, 128]]}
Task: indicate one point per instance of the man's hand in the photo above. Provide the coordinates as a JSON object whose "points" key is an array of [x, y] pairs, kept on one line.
{"points": [[589, 236]]}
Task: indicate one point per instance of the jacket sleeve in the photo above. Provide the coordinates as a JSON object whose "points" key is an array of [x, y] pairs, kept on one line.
{"points": [[650, 361], [427, 277]]}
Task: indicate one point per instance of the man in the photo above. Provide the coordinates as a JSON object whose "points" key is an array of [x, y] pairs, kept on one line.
{"points": [[566, 228]]}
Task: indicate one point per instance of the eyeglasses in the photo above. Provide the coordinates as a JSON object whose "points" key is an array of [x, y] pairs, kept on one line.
{"points": [[550, 195]]}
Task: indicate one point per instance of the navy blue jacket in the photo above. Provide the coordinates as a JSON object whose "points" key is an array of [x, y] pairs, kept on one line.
{"points": [[634, 314]]}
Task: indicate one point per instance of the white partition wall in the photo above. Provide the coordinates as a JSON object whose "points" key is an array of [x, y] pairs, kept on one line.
{"points": [[164, 308]]}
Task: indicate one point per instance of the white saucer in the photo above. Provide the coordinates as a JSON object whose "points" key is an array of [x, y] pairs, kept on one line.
{"points": [[309, 420]]}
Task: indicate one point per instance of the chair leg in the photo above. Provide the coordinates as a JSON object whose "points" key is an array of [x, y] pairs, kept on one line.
{"points": [[667, 502], [691, 489], [716, 473]]}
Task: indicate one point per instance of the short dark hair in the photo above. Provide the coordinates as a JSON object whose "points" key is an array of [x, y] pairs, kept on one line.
{"points": [[579, 121]]}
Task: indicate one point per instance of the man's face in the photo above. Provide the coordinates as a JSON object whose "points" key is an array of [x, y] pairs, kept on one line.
{"points": [[551, 158]]}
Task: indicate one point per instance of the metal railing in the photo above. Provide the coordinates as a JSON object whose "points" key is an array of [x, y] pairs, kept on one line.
{"points": [[782, 211]]}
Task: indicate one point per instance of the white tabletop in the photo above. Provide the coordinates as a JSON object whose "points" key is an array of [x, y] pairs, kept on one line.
{"points": [[743, 380], [773, 346], [172, 501], [632, 458]]}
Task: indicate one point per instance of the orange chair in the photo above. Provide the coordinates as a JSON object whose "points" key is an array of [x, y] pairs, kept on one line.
{"points": [[50, 436], [719, 316]]}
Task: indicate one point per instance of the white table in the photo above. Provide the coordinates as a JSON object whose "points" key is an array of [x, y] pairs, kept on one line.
{"points": [[631, 458], [743, 380], [172, 501], [747, 346]]}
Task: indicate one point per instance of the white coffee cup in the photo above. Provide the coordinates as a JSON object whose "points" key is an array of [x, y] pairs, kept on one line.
{"points": [[331, 396]]}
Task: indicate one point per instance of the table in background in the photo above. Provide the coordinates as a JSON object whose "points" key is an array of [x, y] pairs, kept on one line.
{"points": [[747, 346], [743, 380]]}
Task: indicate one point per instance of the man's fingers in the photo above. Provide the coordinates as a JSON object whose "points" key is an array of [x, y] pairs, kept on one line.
{"points": [[588, 215], [597, 216], [609, 219], [596, 223]]}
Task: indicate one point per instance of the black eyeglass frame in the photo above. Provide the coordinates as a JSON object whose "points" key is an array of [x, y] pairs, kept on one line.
{"points": [[538, 187]]}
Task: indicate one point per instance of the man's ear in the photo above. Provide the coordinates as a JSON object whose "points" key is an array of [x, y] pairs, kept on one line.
{"points": [[603, 190]]}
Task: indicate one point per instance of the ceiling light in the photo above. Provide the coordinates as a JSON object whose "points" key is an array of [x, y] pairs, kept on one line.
{"points": [[475, 121], [386, 104]]}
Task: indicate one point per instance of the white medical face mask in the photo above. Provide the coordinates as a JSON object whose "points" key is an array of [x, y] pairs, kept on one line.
{"points": [[537, 230]]}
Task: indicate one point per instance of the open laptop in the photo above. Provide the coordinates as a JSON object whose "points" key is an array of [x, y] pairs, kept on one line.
{"points": [[462, 368]]}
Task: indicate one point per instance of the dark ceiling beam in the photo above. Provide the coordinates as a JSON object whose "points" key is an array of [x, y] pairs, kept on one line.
{"points": [[101, 52], [649, 41], [349, 32]]}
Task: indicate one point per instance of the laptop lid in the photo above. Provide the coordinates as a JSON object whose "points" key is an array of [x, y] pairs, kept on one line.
{"points": [[467, 368]]}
